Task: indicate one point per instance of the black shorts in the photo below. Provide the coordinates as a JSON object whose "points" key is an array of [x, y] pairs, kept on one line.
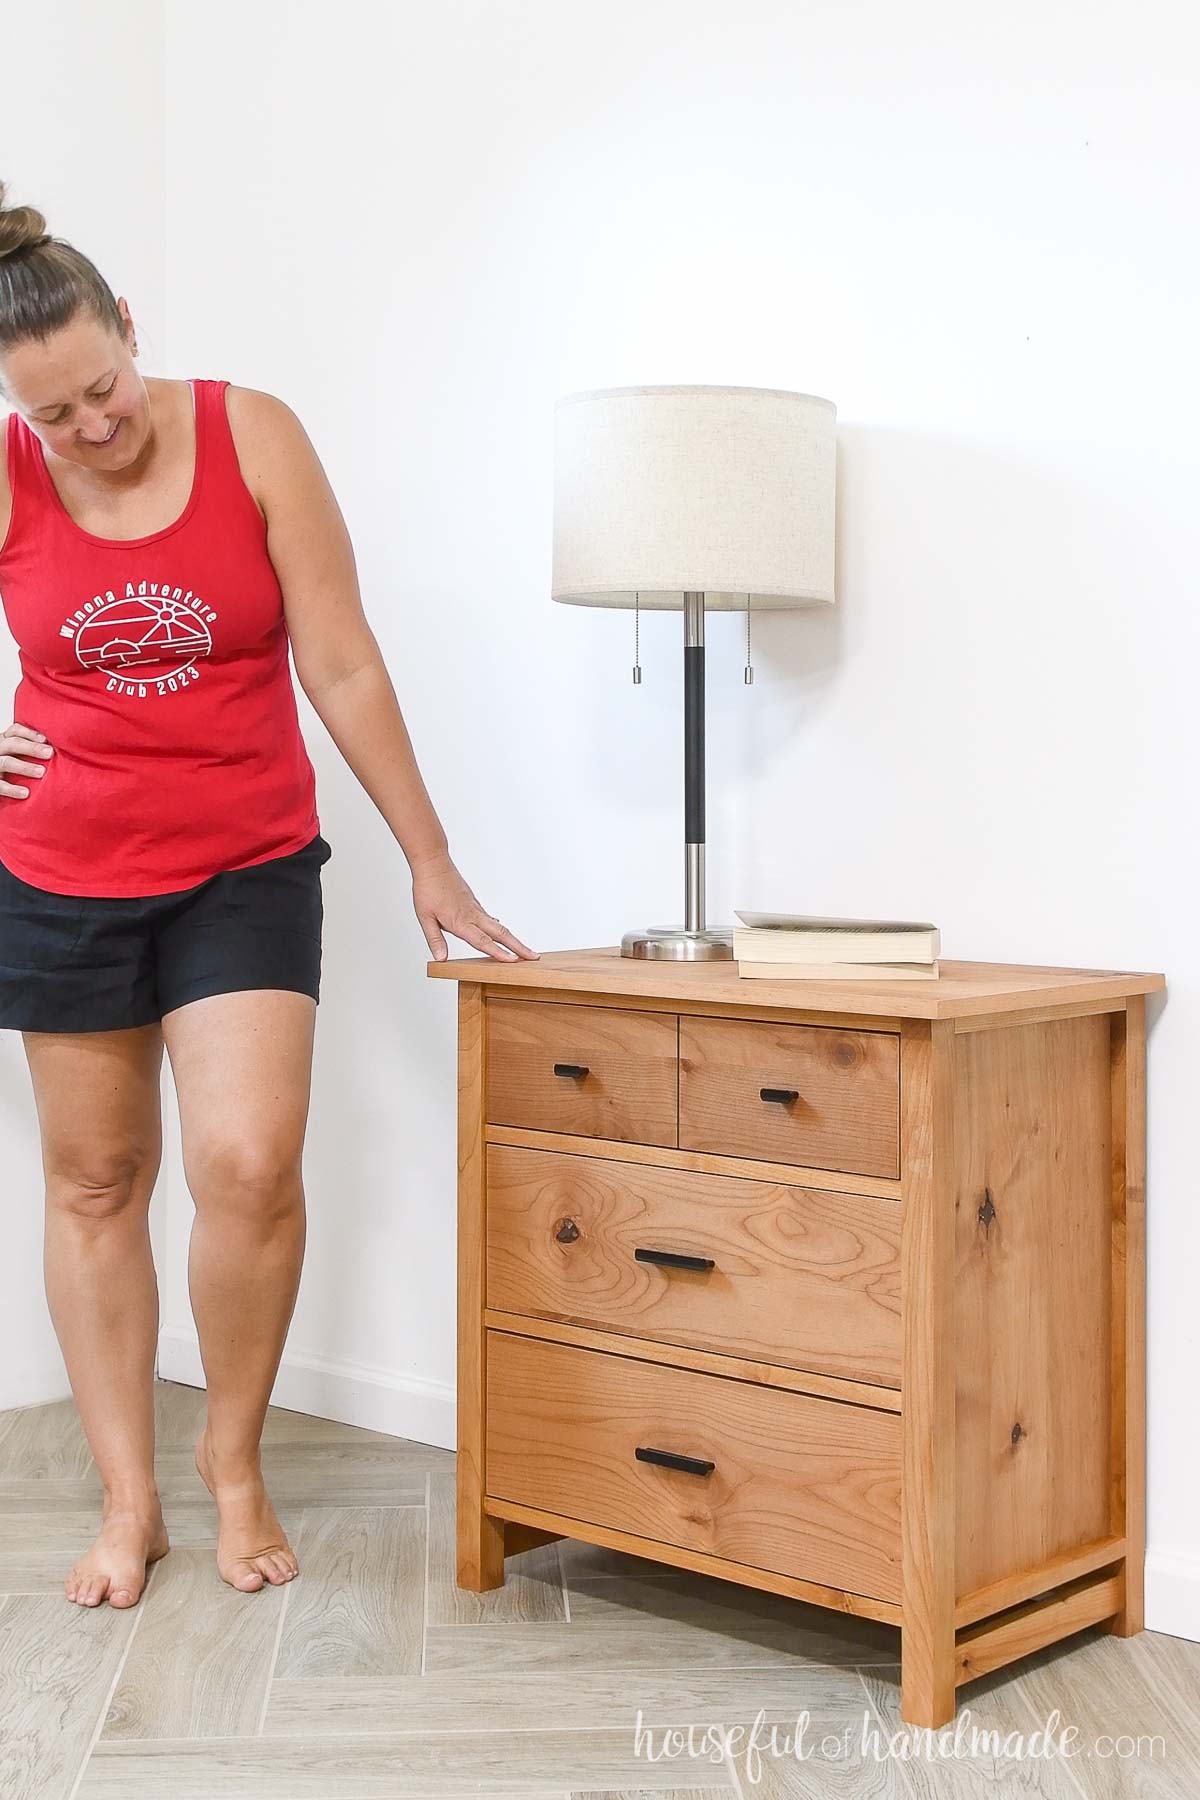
{"points": [[70, 962]]}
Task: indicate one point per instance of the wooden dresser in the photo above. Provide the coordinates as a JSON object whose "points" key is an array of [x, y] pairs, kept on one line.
{"points": [[831, 1289]]}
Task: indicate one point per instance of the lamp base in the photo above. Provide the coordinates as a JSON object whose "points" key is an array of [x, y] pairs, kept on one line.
{"points": [[676, 945]]}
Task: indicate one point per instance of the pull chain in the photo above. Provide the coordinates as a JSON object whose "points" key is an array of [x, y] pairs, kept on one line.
{"points": [[637, 667], [748, 673]]}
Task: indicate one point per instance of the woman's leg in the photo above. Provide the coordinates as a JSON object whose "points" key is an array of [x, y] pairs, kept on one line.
{"points": [[97, 1095], [243, 1064]]}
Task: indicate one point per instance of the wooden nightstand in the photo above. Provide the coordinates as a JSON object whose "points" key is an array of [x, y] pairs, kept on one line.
{"points": [[834, 1290]]}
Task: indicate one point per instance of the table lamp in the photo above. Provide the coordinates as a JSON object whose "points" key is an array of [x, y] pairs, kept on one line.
{"points": [[682, 498]]}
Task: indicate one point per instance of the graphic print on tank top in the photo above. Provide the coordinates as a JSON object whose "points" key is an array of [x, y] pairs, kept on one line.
{"points": [[158, 668], [148, 640]]}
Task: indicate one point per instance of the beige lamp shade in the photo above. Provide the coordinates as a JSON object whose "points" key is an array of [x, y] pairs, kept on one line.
{"points": [[724, 491]]}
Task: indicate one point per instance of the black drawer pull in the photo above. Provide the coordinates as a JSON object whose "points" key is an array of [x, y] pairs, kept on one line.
{"points": [[673, 1259], [577, 1070], [783, 1095], [667, 1459]]}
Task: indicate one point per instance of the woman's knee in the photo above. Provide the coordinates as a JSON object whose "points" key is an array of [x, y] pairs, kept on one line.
{"points": [[257, 1179], [101, 1184], [99, 1112]]}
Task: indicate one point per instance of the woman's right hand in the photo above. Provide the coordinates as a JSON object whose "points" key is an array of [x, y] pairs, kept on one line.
{"points": [[18, 745]]}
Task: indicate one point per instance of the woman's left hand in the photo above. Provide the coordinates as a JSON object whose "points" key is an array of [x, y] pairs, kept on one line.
{"points": [[443, 901]]}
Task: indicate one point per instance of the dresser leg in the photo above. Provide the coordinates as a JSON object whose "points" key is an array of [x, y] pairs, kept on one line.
{"points": [[1130, 1617], [480, 1547], [927, 1649], [927, 1686], [480, 1543], [1128, 1510]]}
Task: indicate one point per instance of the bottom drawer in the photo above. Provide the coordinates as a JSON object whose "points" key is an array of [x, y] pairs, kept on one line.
{"points": [[801, 1485]]}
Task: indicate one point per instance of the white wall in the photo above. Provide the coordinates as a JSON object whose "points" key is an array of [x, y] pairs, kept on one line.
{"points": [[967, 228], [81, 127]]}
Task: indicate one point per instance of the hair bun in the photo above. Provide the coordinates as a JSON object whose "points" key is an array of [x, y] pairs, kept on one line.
{"points": [[21, 227]]}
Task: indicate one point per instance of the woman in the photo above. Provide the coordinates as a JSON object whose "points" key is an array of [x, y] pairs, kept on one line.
{"points": [[161, 543]]}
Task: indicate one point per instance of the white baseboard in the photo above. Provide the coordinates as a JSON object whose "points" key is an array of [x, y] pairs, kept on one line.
{"points": [[354, 1393], [1173, 1594]]}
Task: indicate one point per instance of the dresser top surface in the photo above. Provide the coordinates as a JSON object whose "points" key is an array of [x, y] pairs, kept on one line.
{"points": [[960, 990]]}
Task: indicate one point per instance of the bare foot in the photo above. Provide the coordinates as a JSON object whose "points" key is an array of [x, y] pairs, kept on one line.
{"points": [[251, 1546], [116, 1564]]}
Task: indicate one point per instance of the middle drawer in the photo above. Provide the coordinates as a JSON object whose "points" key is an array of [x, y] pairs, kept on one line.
{"points": [[771, 1272]]}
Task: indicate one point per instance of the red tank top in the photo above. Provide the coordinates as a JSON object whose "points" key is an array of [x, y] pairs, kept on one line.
{"points": [[158, 669]]}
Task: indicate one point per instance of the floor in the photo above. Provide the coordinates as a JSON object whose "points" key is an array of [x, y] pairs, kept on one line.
{"points": [[371, 1677]]}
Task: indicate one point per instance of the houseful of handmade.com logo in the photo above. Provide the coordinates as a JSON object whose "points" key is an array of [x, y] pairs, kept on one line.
{"points": [[149, 640], [763, 1742]]}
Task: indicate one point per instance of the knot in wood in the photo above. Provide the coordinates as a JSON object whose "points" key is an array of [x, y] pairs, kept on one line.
{"points": [[566, 1231]]}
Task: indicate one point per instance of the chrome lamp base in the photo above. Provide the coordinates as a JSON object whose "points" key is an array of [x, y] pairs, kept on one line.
{"points": [[678, 946]]}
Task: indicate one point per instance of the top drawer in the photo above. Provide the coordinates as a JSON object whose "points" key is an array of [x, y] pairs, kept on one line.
{"points": [[812, 1094], [597, 1071]]}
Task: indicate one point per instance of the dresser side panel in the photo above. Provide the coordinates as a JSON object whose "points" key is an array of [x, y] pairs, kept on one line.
{"points": [[1033, 1302]]}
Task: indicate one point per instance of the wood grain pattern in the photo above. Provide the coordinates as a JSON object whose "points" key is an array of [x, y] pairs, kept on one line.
{"points": [[845, 1116], [1128, 1451], [1014, 1589], [708, 1362], [532, 1590], [629, 1091], [631, 1548], [987, 1646], [927, 1263], [334, 1623], [1037, 1015], [1032, 1296], [1146, 1687], [963, 988], [53, 1684], [996, 1118], [800, 1277], [480, 1538], [800, 1485], [842, 1181]]}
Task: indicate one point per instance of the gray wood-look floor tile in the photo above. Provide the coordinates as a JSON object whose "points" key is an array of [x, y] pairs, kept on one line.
{"points": [[818, 1757], [532, 1590], [580, 1559], [973, 1768], [387, 1474], [604, 1698], [1144, 1687], [218, 1687], [60, 1495], [641, 1644], [1176, 1663], [358, 1605], [704, 1602], [390, 1768], [57, 1664], [45, 1443]]}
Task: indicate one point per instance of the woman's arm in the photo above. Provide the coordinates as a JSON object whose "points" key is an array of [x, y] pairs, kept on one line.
{"points": [[340, 666]]}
